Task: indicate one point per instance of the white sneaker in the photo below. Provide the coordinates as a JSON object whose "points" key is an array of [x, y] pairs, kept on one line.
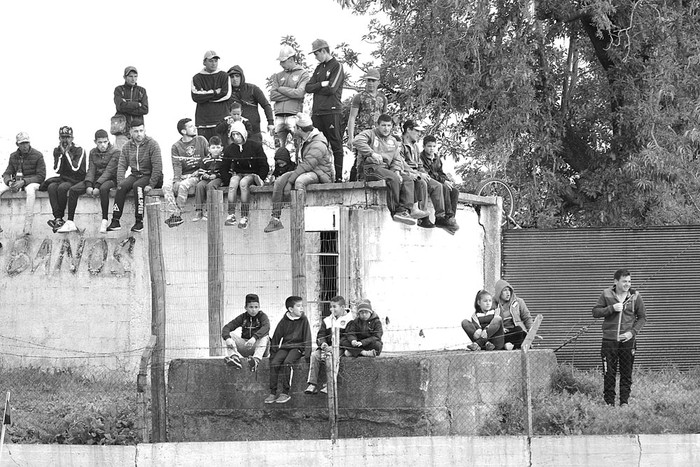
{"points": [[68, 226], [104, 225], [243, 223]]}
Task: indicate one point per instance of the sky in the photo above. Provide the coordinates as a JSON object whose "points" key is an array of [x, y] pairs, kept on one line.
{"points": [[63, 59]]}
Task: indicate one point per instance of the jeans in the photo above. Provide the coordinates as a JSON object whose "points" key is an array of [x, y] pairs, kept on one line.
{"points": [[259, 350], [129, 183], [515, 336], [281, 364], [494, 330], [436, 196], [176, 194], [284, 126], [451, 198], [614, 354], [329, 125], [283, 188], [376, 346], [200, 191], [242, 182], [399, 195]]}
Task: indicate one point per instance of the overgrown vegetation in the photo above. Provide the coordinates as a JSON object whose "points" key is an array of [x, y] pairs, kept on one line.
{"points": [[661, 402], [64, 407]]}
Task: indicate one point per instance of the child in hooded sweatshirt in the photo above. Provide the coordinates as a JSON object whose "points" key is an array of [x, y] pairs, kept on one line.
{"points": [[515, 314], [290, 342], [363, 335], [283, 163], [484, 328], [246, 164]]}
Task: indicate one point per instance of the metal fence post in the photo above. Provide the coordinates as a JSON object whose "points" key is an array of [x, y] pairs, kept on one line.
{"points": [[215, 263]]}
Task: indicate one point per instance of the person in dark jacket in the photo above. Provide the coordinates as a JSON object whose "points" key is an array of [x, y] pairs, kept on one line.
{"points": [[432, 164], [624, 316], [254, 339], [131, 101], [290, 342], [26, 171], [339, 318], [211, 90], [250, 97], [210, 178], [363, 335], [142, 155], [246, 162], [514, 313], [70, 163], [283, 163], [326, 84], [100, 179]]}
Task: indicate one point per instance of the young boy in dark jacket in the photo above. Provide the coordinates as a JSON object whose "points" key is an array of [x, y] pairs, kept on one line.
{"points": [[290, 342], [363, 335], [254, 339]]}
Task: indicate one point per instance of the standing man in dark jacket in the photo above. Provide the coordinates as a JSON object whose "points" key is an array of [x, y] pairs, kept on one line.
{"points": [[142, 155], [101, 177], [131, 101], [254, 340], [26, 171], [326, 84], [624, 316], [211, 90], [70, 163], [250, 97]]}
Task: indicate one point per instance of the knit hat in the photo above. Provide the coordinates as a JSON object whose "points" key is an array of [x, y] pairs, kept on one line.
{"points": [[286, 51], [282, 154], [364, 305], [101, 134], [129, 69], [304, 122], [318, 44], [65, 131], [251, 297], [239, 127], [22, 137]]}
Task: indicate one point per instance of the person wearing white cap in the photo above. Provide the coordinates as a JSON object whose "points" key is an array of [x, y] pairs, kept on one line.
{"points": [[210, 89], [287, 93], [131, 101], [26, 171]]}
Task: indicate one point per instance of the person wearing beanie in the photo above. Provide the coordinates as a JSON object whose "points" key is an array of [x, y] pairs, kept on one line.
{"points": [[326, 84], [210, 177], [283, 163], [254, 337], [244, 165], [131, 101], [186, 154], [250, 97], [70, 163], [100, 179], [26, 171], [287, 92], [315, 166], [211, 90], [363, 335]]}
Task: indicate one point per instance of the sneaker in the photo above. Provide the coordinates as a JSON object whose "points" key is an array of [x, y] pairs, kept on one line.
{"points": [[348, 354], [52, 223], [274, 224], [404, 217], [138, 226], [234, 361], [198, 216], [172, 221], [474, 346], [509, 346], [243, 224], [446, 225], [489, 346], [204, 216], [271, 399], [324, 389], [253, 364], [103, 226], [425, 223], [69, 226], [231, 220], [453, 222], [418, 213], [115, 225], [283, 398], [310, 389], [368, 353]]}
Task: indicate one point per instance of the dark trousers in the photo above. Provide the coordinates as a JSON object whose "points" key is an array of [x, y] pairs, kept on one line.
{"points": [[129, 183], [494, 329], [201, 190], [617, 354], [207, 132], [451, 198], [281, 364], [399, 195], [80, 188], [58, 197], [515, 336], [329, 125], [376, 346]]}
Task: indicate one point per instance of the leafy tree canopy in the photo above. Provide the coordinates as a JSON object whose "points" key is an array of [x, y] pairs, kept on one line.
{"points": [[590, 109]]}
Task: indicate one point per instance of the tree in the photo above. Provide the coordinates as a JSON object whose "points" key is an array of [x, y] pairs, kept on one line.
{"points": [[589, 108]]}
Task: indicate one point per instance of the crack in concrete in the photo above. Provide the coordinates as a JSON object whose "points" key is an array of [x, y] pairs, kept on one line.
{"points": [[639, 443]]}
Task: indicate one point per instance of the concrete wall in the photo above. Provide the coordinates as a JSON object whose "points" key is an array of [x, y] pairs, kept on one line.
{"points": [[516, 451], [402, 394]]}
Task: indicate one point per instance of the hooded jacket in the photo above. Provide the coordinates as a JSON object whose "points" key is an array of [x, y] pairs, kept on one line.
{"points": [[103, 166], [370, 142], [288, 90], [130, 101], [631, 319], [246, 158], [211, 105], [71, 165], [292, 334], [316, 157], [433, 167], [250, 96], [31, 165], [257, 326], [514, 308], [367, 332], [144, 159], [327, 99]]}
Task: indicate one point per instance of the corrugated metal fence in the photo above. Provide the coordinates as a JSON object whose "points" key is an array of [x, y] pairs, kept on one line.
{"points": [[561, 273]]}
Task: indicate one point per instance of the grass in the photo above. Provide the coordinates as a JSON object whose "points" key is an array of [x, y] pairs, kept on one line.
{"points": [[661, 402], [66, 407]]}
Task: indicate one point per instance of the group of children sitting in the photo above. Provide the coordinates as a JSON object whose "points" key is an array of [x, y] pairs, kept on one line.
{"points": [[360, 336]]}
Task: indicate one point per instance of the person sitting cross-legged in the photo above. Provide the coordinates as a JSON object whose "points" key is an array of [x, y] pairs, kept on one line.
{"points": [[363, 335]]}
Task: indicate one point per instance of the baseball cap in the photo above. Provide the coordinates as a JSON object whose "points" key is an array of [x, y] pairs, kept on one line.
{"points": [[211, 54], [286, 51], [22, 137], [372, 73], [411, 125], [65, 131], [318, 44], [129, 69]]}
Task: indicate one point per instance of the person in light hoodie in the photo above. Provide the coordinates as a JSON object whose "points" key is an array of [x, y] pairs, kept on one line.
{"points": [[514, 313]]}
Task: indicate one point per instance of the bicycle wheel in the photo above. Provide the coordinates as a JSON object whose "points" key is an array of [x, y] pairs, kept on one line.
{"points": [[497, 187]]}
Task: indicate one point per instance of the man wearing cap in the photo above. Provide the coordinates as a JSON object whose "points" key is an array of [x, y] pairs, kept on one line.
{"points": [[131, 101], [26, 171], [70, 163], [366, 106], [287, 92], [211, 90], [249, 96], [326, 84]]}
